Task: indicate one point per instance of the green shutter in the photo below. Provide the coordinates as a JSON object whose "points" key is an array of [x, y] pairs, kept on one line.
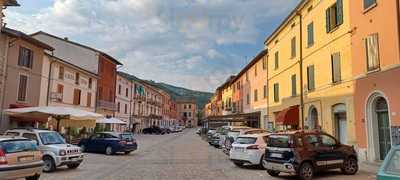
{"points": [[328, 21], [310, 34], [294, 89], [339, 12], [311, 78]]}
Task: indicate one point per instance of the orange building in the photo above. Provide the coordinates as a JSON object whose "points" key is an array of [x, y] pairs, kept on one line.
{"points": [[376, 63]]}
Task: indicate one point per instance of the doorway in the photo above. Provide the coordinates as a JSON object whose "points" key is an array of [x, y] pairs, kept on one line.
{"points": [[312, 118], [340, 122]]}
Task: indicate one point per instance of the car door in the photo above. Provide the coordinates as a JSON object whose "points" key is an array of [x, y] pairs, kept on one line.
{"points": [[314, 151], [93, 142], [331, 152]]}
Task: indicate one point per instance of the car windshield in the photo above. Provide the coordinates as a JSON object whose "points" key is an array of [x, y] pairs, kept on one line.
{"points": [[280, 141], [15, 146], [51, 138], [393, 166], [233, 134], [127, 137], [246, 140]]}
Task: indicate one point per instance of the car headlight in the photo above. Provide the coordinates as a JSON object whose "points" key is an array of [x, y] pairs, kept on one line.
{"points": [[62, 152]]}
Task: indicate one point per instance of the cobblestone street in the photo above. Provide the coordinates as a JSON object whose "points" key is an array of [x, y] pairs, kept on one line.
{"points": [[174, 156]]}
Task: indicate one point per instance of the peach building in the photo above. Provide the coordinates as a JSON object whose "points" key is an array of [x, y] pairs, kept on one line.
{"points": [[376, 57], [187, 112]]}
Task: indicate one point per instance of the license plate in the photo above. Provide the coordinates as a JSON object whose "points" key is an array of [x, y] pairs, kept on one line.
{"points": [[24, 159], [129, 143], [276, 155], [240, 149]]}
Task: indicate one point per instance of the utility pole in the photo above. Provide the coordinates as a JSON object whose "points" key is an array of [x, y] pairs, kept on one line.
{"points": [[301, 69]]}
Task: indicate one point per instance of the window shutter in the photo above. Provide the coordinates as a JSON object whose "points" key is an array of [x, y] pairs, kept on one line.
{"points": [[310, 31], [310, 73], [30, 60], [339, 12], [336, 69], [293, 47], [328, 20], [20, 57], [89, 100], [294, 89]]}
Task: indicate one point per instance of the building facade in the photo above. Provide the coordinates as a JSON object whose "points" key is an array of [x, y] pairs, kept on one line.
{"points": [[376, 55], [187, 111], [23, 82]]}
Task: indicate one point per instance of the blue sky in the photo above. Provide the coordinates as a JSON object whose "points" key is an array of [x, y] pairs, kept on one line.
{"points": [[195, 44]]}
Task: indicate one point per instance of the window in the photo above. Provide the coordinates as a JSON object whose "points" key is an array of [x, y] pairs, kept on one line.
{"points": [[238, 85], [22, 87], [90, 83], [369, 3], [248, 99], [25, 58], [264, 63], [276, 92], [334, 16], [247, 76], [190, 106], [255, 95], [77, 97], [372, 52], [312, 140], [119, 89], [265, 91], [276, 60], [310, 78], [255, 69], [293, 47], [126, 92], [60, 90], [126, 109], [89, 99], [190, 114], [31, 137], [61, 72], [336, 70], [184, 106], [310, 34], [328, 141], [77, 78], [294, 83]]}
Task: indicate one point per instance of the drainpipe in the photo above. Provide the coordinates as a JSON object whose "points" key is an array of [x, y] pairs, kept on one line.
{"points": [[301, 70], [398, 24], [49, 78]]}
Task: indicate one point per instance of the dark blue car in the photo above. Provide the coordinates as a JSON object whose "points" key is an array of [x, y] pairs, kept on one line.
{"points": [[109, 143]]}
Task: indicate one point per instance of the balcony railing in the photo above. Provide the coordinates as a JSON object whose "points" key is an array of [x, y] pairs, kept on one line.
{"points": [[106, 105]]}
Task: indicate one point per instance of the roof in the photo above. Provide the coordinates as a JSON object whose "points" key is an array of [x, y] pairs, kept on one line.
{"points": [[252, 62], [73, 65], [129, 76], [6, 138], [19, 34], [227, 82], [11, 3], [254, 135], [81, 45], [285, 21], [29, 130]]}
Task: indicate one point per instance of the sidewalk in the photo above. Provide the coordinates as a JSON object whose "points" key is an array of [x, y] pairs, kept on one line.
{"points": [[370, 167]]}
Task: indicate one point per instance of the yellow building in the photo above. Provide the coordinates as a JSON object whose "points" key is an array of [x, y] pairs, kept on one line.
{"points": [[310, 69], [227, 93]]}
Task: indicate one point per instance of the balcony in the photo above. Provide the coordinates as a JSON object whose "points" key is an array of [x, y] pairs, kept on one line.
{"points": [[106, 105]]}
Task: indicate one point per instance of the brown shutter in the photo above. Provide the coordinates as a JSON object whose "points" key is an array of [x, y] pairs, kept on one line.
{"points": [[23, 82], [89, 99], [336, 70], [77, 97]]}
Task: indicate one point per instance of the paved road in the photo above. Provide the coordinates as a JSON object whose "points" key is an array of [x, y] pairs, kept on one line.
{"points": [[172, 157]]}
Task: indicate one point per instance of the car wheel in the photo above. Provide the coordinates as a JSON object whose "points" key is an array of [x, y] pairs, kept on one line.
{"points": [[350, 166], [306, 171], [73, 166], [83, 148], [261, 165], [109, 150], [238, 164], [273, 173], [35, 177], [127, 152], [49, 164]]}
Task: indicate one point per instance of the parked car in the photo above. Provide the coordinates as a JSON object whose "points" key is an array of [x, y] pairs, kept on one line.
{"points": [[153, 130], [215, 138], [19, 158], [165, 131], [233, 134], [109, 143], [224, 132], [302, 153], [248, 149], [56, 152], [390, 169], [210, 133]]}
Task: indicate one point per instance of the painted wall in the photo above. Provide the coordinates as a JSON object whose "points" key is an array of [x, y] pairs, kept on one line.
{"points": [[123, 99], [106, 86]]}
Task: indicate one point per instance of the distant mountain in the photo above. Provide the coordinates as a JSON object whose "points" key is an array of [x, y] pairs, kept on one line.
{"points": [[179, 93]]}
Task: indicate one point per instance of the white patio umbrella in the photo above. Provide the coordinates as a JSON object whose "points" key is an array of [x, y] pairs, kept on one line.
{"points": [[55, 112], [110, 121]]}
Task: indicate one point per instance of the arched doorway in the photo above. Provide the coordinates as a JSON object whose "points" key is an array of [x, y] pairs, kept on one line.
{"points": [[312, 118], [378, 127], [340, 122]]}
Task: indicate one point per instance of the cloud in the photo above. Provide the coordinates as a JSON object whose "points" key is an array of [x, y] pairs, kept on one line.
{"points": [[189, 43]]}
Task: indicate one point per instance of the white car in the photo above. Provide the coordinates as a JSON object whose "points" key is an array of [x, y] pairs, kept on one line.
{"points": [[56, 152], [248, 149]]}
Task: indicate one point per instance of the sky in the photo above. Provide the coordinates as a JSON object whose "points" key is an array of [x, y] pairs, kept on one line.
{"points": [[196, 44]]}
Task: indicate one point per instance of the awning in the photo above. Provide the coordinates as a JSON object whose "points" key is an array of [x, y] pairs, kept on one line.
{"points": [[110, 121], [289, 116]]}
